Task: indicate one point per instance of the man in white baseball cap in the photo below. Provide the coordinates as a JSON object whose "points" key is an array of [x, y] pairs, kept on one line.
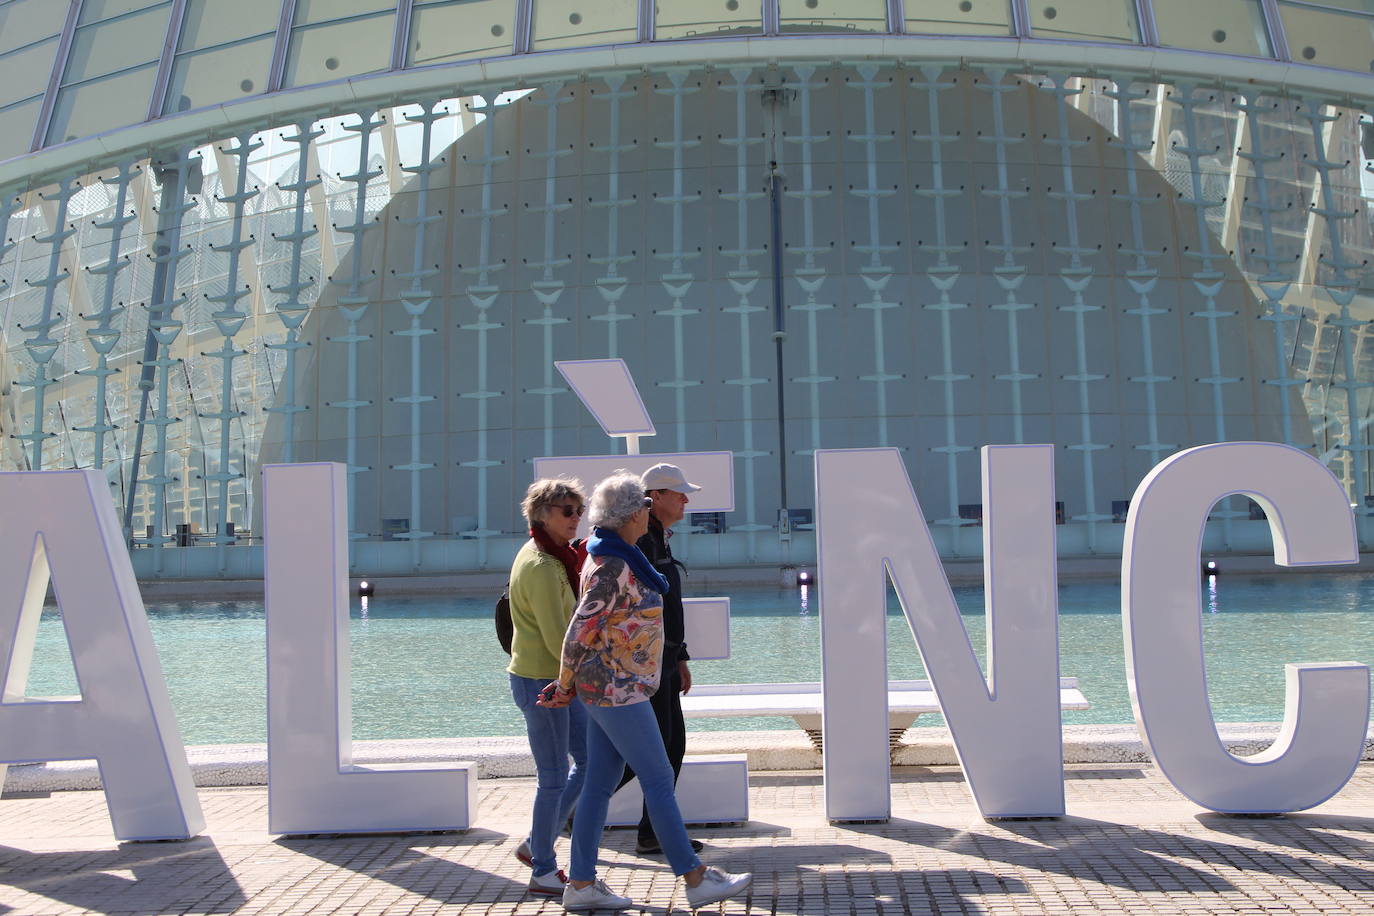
{"points": [[668, 487]]}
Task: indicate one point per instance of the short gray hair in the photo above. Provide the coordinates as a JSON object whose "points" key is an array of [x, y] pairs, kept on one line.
{"points": [[547, 492], [615, 500]]}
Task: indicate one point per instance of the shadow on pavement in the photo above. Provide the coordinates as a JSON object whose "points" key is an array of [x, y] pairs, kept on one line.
{"points": [[1138, 859], [405, 861], [186, 877]]}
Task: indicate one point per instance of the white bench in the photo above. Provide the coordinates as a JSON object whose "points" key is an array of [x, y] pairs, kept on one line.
{"points": [[906, 702]]}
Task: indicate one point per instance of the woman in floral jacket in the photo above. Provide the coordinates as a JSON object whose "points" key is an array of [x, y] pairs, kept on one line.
{"points": [[611, 657]]}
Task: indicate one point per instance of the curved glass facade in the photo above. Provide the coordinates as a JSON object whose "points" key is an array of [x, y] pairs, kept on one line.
{"points": [[968, 255], [85, 67], [969, 258]]}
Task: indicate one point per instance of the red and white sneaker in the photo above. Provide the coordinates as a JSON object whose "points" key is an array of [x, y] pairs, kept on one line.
{"points": [[551, 884], [522, 852]]}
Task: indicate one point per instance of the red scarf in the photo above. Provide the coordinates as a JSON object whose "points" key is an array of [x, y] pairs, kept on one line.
{"points": [[571, 555]]}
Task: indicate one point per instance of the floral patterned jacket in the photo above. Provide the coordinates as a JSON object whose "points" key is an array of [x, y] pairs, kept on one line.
{"points": [[614, 644]]}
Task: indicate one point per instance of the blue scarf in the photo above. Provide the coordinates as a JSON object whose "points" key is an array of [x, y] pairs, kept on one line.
{"points": [[606, 542]]}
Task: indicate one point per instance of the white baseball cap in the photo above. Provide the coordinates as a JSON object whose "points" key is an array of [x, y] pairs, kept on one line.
{"points": [[666, 477]]}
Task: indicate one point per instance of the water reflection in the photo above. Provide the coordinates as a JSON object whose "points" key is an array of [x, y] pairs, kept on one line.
{"points": [[805, 600]]}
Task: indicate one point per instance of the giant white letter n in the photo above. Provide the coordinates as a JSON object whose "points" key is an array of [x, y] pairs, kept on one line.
{"points": [[1006, 728]]}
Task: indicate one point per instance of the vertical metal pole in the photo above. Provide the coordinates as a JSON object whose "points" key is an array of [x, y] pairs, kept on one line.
{"points": [[775, 184], [773, 101]]}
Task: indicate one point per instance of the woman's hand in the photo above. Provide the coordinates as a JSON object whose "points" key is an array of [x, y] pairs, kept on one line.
{"points": [[554, 697]]}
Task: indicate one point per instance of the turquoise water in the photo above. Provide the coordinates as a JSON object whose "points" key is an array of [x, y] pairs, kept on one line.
{"points": [[426, 666]]}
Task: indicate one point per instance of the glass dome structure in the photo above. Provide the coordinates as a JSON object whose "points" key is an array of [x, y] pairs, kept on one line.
{"points": [[362, 231]]}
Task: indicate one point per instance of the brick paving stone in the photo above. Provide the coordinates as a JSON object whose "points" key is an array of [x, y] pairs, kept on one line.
{"points": [[1131, 844]]}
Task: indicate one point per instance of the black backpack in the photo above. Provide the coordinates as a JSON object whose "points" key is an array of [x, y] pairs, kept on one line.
{"points": [[505, 627]]}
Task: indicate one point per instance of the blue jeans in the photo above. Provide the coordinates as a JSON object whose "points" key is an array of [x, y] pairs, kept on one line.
{"points": [[617, 735], [553, 734]]}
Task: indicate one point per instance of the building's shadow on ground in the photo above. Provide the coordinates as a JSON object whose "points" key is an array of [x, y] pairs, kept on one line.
{"points": [[187, 876], [1143, 860], [422, 864]]}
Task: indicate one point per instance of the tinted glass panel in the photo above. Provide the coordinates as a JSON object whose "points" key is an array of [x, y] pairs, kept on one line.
{"points": [[1343, 40], [26, 21], [16, 127], [98, 10], [25, 72], [117, 45], [219, 75], [695, 19], [958, 17], [1229, 26], [208, 23], [832, 15], [102, 105], [328, 52], [452, 31], [1358, 6], [311, 11], [1085, 20], [580, 23]]}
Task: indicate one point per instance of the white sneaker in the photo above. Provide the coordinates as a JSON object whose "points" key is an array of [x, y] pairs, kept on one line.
{"points": [[522, 852], [551, 884], [595, 896], [715, 886]]}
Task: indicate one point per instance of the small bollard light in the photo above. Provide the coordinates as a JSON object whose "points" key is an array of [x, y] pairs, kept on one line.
{"points": [[1210, 569], [805, 578], [365, 589]]}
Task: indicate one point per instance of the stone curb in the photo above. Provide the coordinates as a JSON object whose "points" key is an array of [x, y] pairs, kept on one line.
{"points": [[246, 764]]}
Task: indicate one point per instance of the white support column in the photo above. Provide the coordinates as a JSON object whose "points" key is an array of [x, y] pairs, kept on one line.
{"points": [[1208, 281], [105, 334], [548, 288], [611, 285], [1276, 281], [1077, 276], [291, 310], [354, 302], [876, 274], [944, 276], [811, 275], [483, 293], [229, 319], [416, 299], [1009, 274], [744, 280], [1143, 273]]}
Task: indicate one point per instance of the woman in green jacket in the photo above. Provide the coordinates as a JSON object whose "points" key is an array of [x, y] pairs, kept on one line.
{"points": [[544, 584]]}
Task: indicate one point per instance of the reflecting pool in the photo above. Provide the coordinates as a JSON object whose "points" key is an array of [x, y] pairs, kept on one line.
{"points": [[429, 666]]}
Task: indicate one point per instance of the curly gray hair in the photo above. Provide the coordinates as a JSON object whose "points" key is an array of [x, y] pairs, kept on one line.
{"points": [[615, 500]]}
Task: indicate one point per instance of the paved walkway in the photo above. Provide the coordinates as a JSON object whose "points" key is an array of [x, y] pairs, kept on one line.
{"points": [[1132, 845]]}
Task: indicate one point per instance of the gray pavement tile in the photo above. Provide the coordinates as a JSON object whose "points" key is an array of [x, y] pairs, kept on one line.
{"points": [[1130, 845]]}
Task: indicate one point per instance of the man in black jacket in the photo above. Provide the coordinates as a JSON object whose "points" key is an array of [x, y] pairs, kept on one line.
{"points": [[668, 487]]}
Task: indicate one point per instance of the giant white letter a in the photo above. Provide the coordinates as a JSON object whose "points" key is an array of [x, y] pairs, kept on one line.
{"points": [[63, 522]]}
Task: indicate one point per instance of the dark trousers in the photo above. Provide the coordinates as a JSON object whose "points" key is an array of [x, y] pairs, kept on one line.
{"points": [[667, 704]]}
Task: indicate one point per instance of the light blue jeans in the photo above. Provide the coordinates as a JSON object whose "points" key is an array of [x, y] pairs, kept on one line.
{"points": [[617, 735], [553, 734]]}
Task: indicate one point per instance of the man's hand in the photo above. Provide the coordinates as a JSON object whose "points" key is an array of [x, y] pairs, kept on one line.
{"points": [[686, 674]]}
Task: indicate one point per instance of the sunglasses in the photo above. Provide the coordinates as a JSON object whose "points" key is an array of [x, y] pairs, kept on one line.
{"points": [[570, 511]]}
